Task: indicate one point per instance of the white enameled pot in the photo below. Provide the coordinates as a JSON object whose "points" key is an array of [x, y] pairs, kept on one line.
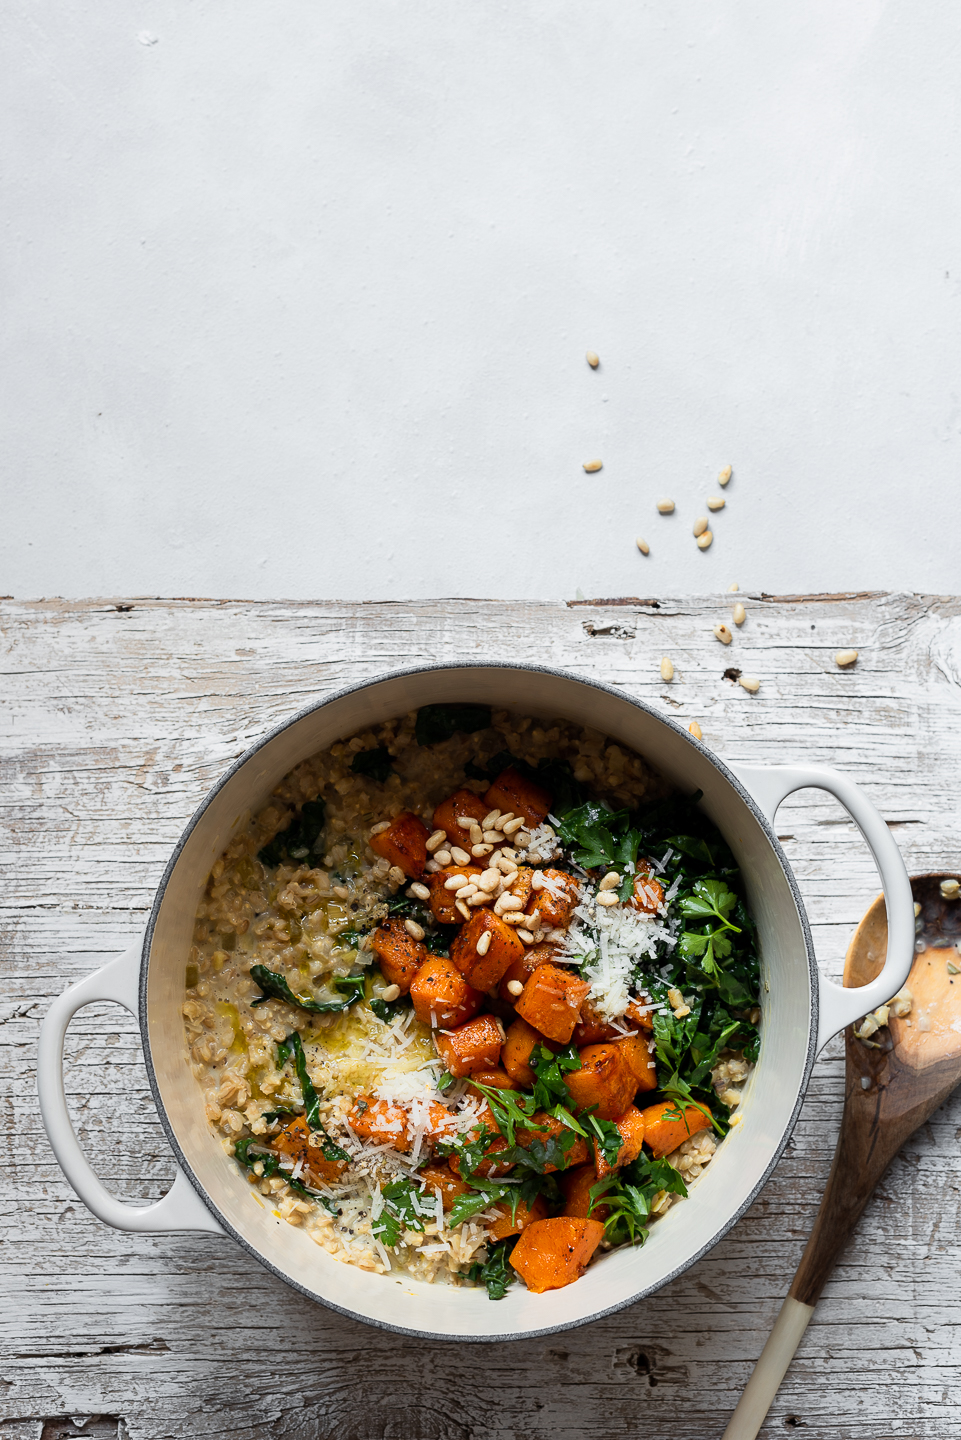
{"points": [[801, 1009]]}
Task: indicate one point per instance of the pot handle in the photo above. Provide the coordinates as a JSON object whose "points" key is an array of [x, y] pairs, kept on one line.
{"points": [[181, 1208], [769, 785]]}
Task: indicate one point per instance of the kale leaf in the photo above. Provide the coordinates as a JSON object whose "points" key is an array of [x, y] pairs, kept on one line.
{"points": [[599, 837], [496, 1272], [293, 1048], [375, 763], [302, 839], [439, 722], [388, 1010], [270, 1163], [275, 987]]}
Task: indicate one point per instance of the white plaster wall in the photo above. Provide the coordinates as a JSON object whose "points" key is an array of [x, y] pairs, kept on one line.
{"points": [[298, 295]]}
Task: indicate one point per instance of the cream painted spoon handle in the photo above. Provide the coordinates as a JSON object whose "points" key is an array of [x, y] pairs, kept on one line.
{"points": [[760, 1390]]}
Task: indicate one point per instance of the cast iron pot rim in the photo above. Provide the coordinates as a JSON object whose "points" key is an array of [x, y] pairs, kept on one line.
{"points": [[618, 694]]}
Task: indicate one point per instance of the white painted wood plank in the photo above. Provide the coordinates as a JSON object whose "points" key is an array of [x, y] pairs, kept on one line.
{"points": [[113, 725]]}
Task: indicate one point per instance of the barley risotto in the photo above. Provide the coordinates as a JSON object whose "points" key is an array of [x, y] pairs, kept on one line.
{"points": [[473, 998]]}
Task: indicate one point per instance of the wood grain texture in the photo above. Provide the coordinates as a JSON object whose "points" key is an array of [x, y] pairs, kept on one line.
{"points": [[115, 721]]}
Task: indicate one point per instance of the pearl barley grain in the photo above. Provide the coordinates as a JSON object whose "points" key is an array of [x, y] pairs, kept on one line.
{"points": [[667, 669], [642, 545]]}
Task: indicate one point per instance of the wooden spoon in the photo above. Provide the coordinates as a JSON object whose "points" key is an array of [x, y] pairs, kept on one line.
{"points": [[893, 1083]]}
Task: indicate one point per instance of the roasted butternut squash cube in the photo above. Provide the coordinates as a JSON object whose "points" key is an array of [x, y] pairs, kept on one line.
{"points": [[641, 1013], [520, 1041], [294, 1140], [496, 1079], [503, 948], [605, 1082], [442, 1178], [512, 1222], [399, 954], [552, 906], [511, 792], [648, 894], [475, 1045], [641, 1060], [631, 1126], [555, 1252], [576, 1189], [551, 1001], [524, 967], [592, 1028], [573, 1151], [663, 1132], [404, 843], [380, 1121], [462, 805], [441, 996], [442, 902]]}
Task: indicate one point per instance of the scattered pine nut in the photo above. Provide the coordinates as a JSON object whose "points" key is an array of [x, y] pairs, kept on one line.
{"points": [[607, 897], [391, 993], [703, 541], [844, 658], [593, 359], [716, 502], [723, 634], [526, 936], [515, 987], [665, 507], [642, 545], [611, 881], [484, 943], [751, 683], [591, 465], [512, 826], [420, 891], [725, 475], [465, 821], [462, 909], [384, 825], [443, 857], [700, 525], [488, 821], [479, 851], [695, 730], [733, 588], [667, 669], [415, 931], [436, 840], [950, 889], [739, 614]]}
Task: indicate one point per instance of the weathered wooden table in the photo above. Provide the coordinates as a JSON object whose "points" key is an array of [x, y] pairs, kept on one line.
{"points": [[116, 719]]}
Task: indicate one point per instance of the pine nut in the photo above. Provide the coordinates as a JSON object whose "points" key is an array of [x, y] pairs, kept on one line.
{"points": [[514, 917], [484, 943], [421, 891], [454, 883], [436, 840], [611, 881], [716, 502], [526, 936], [492, 837], [667, 669], [443, 857], [490, 880], [593, 465], [665, 507], [462, 909], [459, 855], [723, 634], [950, 889], [415, 931], [739, 614], [695, 730], [476, 835], [379, 829], [510, 854], [391, 993], [522, 838], [607, 898], [513, 826], [700, 525], [733, 588], [593, 359], [465, 890], [432, 867], [479, 851], [510, 902], [703, 541], [515, 987], [489, 820], [466, 821], [642, 545], [479, 897], [725, 475], [751, 683], [844, 658]]}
